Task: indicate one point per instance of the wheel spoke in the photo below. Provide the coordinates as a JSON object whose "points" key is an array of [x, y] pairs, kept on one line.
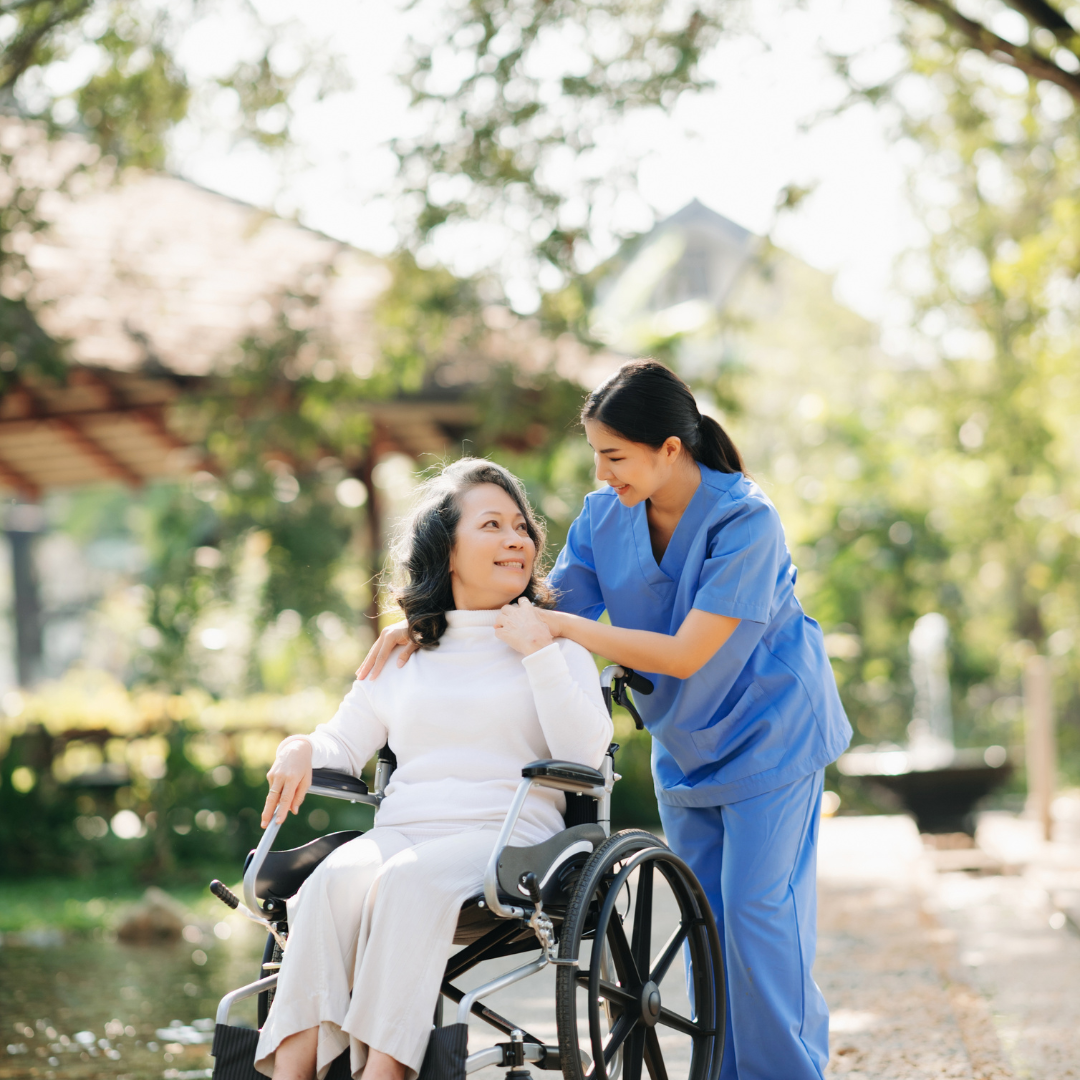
{"points": [[680, 1023], [654, 1059], [622, 1028], [621, 953], [663, 962], [641, 941], [618, 996], [612, 992], [634, 1052]]}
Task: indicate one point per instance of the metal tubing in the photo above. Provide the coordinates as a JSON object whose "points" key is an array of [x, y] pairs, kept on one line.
{"points": [[491, 875], [252, 872], [229, 1000], [494, 1055], [382, 778], [511, 977], [330, 793], [603, 803], [611, 673]]}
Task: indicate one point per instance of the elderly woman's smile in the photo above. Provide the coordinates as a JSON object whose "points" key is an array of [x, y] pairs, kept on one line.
{"points": [[493, 555]]}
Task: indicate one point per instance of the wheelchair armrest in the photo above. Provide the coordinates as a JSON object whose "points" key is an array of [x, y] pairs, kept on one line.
{"points": [[340, 785], [564, 775]]}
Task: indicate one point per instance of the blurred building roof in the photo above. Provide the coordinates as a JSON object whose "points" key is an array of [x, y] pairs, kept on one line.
{"points": [[154, 270], [672, 279], [152, 281]]}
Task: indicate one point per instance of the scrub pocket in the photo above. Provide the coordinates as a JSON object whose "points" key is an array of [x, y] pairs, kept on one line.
{"points": [[745, 741]]}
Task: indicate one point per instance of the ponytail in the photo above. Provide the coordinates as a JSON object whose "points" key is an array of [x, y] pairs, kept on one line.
{"points": [[645, 402], [717, 451]]}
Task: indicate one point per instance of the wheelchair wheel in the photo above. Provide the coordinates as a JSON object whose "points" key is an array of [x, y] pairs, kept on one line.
{"points": [[271, 955], [639, 906]]}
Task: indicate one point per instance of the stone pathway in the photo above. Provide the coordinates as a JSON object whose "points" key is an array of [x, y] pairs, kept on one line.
{"points": [[887, 968], [934, 971], [1017, 939]]}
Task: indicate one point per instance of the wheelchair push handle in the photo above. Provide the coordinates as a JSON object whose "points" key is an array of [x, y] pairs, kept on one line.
{"points": [[616, 681], [637, 682]]}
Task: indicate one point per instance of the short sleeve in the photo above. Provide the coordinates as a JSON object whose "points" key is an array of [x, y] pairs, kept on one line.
{"points": [[745, 557], [573, 577]]}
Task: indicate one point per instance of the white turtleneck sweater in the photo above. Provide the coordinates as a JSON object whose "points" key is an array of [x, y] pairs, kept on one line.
{"points": [[463, 718]]}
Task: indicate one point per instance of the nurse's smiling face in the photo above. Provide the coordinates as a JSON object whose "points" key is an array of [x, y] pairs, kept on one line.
{"points": [[635, 470], [492, 559]]}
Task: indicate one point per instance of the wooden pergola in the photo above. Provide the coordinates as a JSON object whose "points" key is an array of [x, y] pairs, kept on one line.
{"points": [[104, 425], [151, 282], [99, 425]]}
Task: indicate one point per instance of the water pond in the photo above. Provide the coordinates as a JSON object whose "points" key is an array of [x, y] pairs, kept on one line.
{"points": [[86, 1009]]}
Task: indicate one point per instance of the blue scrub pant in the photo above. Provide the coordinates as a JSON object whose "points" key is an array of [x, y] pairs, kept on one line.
{"points": [[757, 861]]}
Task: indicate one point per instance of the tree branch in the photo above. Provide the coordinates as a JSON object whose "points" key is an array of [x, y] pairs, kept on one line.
{"points": [[19, 55], [1019, 56], [1040, 13]]}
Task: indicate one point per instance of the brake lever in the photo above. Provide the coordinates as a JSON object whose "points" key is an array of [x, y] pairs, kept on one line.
{"points": [[622, 697]]}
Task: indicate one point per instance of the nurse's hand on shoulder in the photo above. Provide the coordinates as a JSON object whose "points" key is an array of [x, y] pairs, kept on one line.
{"points": [[385, 644], [521, 627]]}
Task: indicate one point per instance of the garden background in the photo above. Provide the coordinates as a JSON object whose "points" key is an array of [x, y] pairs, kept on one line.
{"points": [[186, 622]]}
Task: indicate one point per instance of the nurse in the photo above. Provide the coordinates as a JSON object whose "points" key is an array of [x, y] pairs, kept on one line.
{"points": [[687, 556]]}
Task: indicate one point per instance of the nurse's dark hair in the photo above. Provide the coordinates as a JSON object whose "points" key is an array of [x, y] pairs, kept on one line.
{"points": [[645, 402], [421, 552]]}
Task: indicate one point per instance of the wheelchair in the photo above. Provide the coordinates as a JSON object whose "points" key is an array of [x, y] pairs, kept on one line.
{"points": [[583, 902]]}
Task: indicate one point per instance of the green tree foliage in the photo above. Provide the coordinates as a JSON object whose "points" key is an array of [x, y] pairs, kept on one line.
{"points": [[512, 93], [1034, 36], [968, 494], [132, 93]]}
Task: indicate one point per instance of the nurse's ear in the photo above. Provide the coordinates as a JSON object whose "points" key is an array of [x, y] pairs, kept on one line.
{"points": [[670, 449]]}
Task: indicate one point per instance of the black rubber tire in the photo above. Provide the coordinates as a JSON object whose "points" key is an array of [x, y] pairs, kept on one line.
{"points": [[271, 954], [592, 910]]}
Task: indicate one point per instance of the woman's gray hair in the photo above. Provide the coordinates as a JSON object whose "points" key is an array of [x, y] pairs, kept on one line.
{"points": [[421, 554]]}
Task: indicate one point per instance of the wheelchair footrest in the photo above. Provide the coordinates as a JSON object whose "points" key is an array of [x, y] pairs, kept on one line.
{"points": [[446, 1053]]}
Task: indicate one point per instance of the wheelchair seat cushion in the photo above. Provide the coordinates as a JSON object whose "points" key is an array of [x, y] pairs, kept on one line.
{"points": [[552, 862], [283, 872]]}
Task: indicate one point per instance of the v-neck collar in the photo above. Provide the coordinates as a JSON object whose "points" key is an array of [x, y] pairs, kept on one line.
{"points": [[670, 566]]}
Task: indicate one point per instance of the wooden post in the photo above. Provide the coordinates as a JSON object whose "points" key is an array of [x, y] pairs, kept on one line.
{"points": [[23, 523], [1040, 746]]}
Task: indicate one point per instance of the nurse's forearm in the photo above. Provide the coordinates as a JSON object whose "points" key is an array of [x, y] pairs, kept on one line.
{"points": [[683, 654]]}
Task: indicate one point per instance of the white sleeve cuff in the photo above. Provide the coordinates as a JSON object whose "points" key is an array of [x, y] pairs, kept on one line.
{"points": [[546, 665]]}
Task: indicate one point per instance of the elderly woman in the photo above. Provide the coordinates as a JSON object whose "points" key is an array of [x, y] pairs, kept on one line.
{"points": [[371, 930]]}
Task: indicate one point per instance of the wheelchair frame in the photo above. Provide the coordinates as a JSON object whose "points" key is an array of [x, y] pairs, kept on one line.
{"points": [[591, 871]]}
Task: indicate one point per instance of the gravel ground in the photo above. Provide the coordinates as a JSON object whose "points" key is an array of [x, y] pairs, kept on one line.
{"points": [[885, 965], [1018, 942], [933, 970]]}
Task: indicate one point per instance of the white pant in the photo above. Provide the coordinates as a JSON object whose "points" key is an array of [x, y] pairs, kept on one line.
{"points": [[369, 936]]}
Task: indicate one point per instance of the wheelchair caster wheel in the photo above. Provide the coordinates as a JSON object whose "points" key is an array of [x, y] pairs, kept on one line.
{"points": [[627, 896], [518, 1074]]}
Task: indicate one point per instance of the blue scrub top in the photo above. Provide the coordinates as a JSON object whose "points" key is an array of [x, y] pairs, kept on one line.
{"points": [[764, 711]]}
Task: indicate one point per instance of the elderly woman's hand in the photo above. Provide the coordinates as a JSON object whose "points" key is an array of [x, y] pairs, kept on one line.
{"points": [[522, 628], [290, 778]]}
